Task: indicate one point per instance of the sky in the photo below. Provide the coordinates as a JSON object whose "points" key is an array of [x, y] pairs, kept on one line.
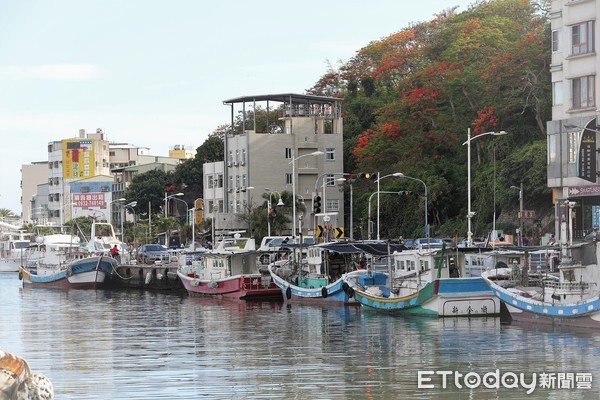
{"points": [[155, 73]]}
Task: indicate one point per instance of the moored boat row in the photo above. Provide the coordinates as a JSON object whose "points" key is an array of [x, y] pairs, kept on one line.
{"points": [[379, 276]]}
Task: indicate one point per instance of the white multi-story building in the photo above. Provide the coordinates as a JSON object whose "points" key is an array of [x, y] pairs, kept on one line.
{"points": [[73, 159], [300, 149], [573, 132]]}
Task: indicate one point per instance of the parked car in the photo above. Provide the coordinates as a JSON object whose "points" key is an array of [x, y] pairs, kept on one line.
{"points": [[428, 243], [150, 253]]}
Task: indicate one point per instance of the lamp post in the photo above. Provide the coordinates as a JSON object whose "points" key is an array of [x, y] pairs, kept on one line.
{"points": [[425, 186], [169, 197], [469, 213], [293, 162], [279, 204], [351, 207], [123, 207], [378, 180], [369, 230], [520, 189]]}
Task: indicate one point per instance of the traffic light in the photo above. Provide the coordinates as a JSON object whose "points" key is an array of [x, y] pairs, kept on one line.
{"points": [[317, 204], [367, 175]]}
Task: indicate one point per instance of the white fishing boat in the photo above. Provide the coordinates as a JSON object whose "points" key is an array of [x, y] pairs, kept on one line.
{"points": [[12, 250]]}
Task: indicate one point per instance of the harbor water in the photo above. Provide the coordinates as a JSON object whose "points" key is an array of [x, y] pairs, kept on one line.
{"points": [[131, 344]]}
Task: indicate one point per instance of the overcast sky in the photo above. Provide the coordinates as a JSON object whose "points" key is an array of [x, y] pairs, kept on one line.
{"points": [[155, 73]]}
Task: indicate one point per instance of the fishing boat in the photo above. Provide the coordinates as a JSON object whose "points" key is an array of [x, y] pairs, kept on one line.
{"points": [[12, 250], [570, 299], [427, 282], [318, 274], [103, 239], [228, 271], [60, 261]]}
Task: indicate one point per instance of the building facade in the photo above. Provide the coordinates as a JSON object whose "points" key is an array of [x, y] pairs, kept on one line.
{"points": [[573, 132], [32, 175], [72, 159], [287, 142]]}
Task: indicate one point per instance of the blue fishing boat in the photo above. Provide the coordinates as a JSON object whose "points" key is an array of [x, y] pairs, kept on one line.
{"points": [[60, 261], [319, 274], [427, 282], [570, 299]]}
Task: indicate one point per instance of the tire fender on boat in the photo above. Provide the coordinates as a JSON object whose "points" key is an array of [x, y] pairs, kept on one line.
{"points": [[345, 287], [324, 292], [20, 275], [350, 292], [288, 293]]}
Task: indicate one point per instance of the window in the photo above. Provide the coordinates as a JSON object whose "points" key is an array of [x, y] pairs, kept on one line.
{"points": [[330, 180], [556, 40], [244, 181], [237, 181], [210, 182], [552, 145], [332, 205], [582, 38], [230, 182], [330, 154], [557, 93], [583, 91], [288, 153], [243, 156], [573, 146], [85, 189], [230, 157], [211, 207], [288, 179], [220, 181]]}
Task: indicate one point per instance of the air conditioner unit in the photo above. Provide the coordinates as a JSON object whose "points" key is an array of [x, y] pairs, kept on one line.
{"points": [[243, 163], [236, 163], [230, 190], [229, 163]]}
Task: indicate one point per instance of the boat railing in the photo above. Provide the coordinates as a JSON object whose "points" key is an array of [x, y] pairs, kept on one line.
{"points": [[568, 286]]}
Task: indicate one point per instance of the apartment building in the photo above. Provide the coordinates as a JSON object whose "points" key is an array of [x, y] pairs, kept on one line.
{"points": [[287, 142], [573, 132], [73, 159]]}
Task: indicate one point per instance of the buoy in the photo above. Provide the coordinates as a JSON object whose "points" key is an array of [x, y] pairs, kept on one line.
{"points": [[288, 293], [324, 292]]}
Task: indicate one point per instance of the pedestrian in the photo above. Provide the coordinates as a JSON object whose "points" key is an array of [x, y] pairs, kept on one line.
{"points": [[114, 252]]}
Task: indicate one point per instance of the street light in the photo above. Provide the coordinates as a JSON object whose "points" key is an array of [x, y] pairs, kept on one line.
{"points": [[293, 162], [183, 201], [469, 213], [520, 189], [123, 207], [279, 204], [425, 186], [378, 180], [169, 197], [351, 216]]}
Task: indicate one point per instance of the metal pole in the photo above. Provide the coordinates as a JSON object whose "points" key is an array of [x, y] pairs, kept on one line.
{"points": [[166, 204], [469, 215], [378, 179], [269, 215], [293, 193], [521, 215], [122, 218], [351, 227]]}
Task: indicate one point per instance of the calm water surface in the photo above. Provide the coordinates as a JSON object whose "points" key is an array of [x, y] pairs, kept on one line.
{"points": [[143, 345]]}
